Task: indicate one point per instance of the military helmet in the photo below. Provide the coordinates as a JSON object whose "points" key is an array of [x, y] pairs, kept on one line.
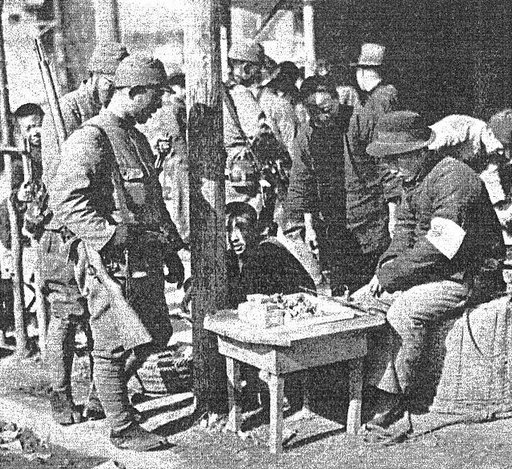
{"points": [[140, 70]]}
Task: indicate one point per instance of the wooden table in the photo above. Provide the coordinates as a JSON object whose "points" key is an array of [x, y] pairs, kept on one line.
{"points": [[284, 349]]}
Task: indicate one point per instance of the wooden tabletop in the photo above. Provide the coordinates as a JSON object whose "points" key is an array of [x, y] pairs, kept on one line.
{"points": [[226, 323]]}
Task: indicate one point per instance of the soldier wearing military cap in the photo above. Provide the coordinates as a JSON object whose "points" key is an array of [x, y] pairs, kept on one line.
{"points": [[107, 198], [252, 112], [67, 307], [445, 253]]}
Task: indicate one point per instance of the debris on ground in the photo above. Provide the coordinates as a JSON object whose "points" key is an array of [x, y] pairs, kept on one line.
{"points": [[22, 448]]}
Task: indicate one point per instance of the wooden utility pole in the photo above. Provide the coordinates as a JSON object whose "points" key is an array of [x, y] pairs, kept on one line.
{"points": [[309, 37], [6, 139], [107, 20], [225, 36], [207, 197], [60, 48]]}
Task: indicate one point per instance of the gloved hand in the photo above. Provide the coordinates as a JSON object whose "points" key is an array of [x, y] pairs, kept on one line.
{"points": [[175, 270], [125, 235]]}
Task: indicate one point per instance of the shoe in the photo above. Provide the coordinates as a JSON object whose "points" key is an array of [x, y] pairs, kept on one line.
{"points": [[136, 438], [396, 433], [63, 410], [394, 412]]}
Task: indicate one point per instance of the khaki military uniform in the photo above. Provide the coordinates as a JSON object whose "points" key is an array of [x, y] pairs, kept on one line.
{"points": [[101, 182]]}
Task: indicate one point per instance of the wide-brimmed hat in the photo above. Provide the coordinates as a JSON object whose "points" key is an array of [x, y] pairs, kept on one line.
{"points": [[399, 132], [501, 126], [372, 55], [140, 70]]}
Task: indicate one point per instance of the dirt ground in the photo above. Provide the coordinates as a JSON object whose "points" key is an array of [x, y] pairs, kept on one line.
{"points": [[319, 441]]}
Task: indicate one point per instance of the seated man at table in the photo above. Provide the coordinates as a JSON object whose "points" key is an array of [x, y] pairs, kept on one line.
{"points": [[259, 266], [446, 251], [255, 265]]}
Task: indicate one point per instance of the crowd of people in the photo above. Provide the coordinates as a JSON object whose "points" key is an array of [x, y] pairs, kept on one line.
{"points": [[327, 185]]}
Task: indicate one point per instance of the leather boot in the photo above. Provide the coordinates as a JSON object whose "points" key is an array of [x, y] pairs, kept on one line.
{"points": [[136, 438], [392, 409]]}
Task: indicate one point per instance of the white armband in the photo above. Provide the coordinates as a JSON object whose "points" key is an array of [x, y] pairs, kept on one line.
{"points": [[446, 236]]}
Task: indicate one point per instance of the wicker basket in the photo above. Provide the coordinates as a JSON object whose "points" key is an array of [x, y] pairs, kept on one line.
{"points": [[167, 372], [476, 379]]}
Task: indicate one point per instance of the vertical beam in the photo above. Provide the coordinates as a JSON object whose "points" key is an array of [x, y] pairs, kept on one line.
{"points": [[355, 394], [16, 248], [225, 37], [309, 37], [234, 409], [60, 48], [107, 20], [276, 390], [207, 198]]}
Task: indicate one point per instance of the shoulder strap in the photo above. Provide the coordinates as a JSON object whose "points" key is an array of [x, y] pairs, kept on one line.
{"points": [[119, 194], [230, 104]]}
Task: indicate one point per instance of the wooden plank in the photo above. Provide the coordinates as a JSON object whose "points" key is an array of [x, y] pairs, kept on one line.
{"points": [[276, 389], [355, 395], [262, 357], [302, 355], [165, 401], [310, 353]]}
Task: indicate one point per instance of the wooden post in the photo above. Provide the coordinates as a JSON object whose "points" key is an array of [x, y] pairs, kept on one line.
{"points": [[207, 196], [107, 20], [60, 48], [225, 37], [16, 248], [309, 38]]}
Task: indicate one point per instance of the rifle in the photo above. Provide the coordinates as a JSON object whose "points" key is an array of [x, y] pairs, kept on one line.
{"points": [[51, 93]]}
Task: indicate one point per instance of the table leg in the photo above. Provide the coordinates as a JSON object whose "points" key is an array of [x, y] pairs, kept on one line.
{"points": [[233, 375], [355, 395], [276, 389]]}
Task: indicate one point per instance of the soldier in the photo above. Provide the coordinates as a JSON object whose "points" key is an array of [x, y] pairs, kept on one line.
{"points": [[252, 112], [83, 103], [107, 200], [67, 307]]}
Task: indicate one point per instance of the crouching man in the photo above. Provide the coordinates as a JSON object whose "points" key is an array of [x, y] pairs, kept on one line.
{"points": [[446, 236], [107, 204], [258, 266]]}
